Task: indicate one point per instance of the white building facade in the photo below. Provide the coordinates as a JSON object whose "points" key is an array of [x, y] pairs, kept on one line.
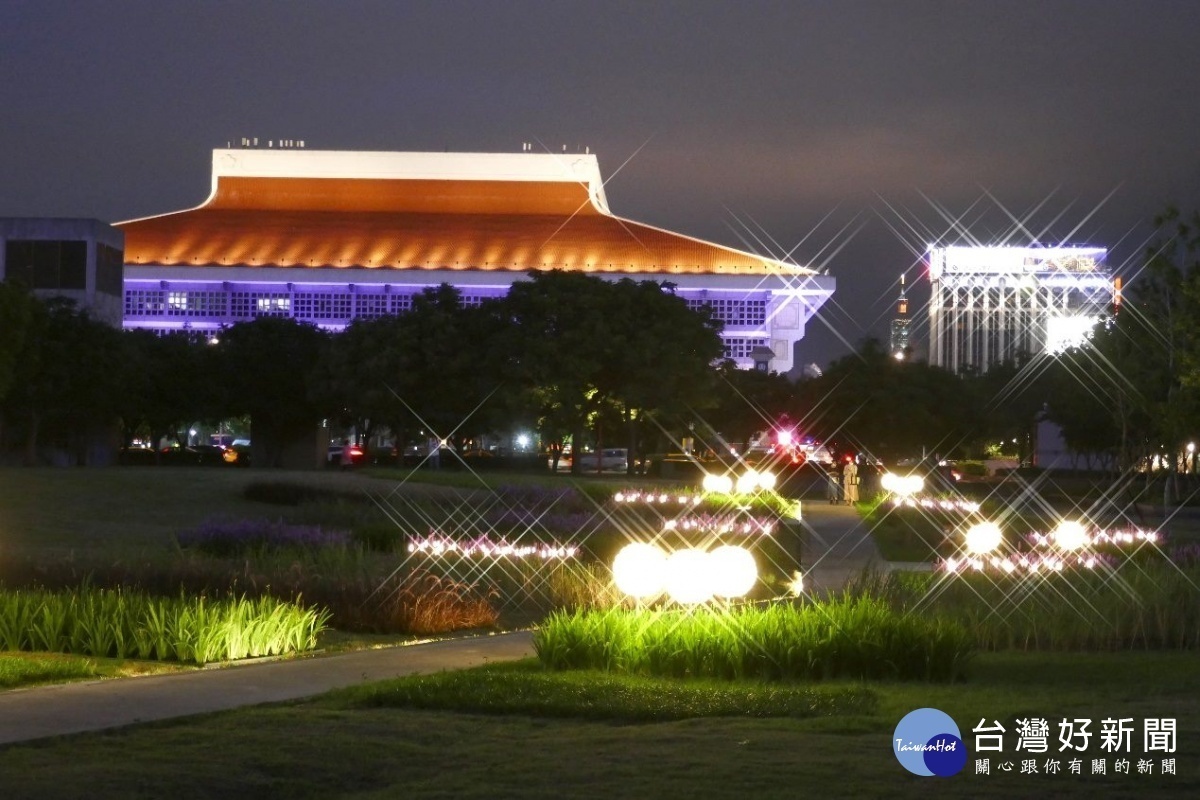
{"points": [[989, 305]]}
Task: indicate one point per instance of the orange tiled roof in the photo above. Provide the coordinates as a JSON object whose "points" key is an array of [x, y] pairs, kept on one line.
{"points": [[419, 224]]}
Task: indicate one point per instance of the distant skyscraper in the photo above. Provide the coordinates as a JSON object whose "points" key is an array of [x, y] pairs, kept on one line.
{"points": [[901, 325], [994, 304]]}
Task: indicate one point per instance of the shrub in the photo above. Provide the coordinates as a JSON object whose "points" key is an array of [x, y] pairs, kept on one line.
{"points": [[416, 603]]}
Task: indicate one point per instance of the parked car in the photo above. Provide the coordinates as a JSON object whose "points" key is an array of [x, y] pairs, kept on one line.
{"points": [[208, 454], [238, 453], [611, 459], [334, 456]]}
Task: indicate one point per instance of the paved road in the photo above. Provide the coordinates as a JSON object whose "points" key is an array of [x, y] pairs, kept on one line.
{"points": [[27, 714]]}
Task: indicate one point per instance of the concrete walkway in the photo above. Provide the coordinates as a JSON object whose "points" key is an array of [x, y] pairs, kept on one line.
{"points": [[837, 546], [36, 713]]}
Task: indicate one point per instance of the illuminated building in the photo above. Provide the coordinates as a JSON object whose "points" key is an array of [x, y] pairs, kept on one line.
{"points": [[75, 259], [994, 304], [328, 237], [901, 324]]}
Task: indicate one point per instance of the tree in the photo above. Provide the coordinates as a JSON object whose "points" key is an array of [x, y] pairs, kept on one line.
{"points": [[449, 372], [591, 354], [659, 365], [747, 401], [16, 314], [263, 367], [892, 409], [67, 380], [1010, 396], [1142, 365], [171, 381], [357, 374]]}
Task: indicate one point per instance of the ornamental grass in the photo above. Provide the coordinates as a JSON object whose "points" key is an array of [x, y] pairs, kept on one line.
{"points": [[847, 637], [105, 623], [359, 594], [1140, 605]]}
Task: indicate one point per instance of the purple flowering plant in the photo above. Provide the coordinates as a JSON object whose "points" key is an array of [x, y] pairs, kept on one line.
{"points": [[224, 538]]}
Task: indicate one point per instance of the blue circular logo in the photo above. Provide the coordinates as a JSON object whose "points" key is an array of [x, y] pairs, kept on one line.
{"points": [[927, 742]]}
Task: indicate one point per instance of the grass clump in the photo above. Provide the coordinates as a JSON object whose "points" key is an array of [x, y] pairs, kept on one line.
{"points": [[107, 623], [527, 688], [1139, 606], [417, 602], [848, 637]]}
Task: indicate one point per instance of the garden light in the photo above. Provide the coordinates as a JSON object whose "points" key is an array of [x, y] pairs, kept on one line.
{"points": [[732, 571], [902, 485], [1070, 535], [718, 484], [983, 537], [439, 546], [747, 482], [688, 578], [639, 570]]}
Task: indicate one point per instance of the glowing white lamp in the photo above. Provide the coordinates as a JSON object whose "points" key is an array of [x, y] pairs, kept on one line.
{"points": [[902, 485], [688, 577], [732, 571], [1070, 535], [639, 569], [766, 481], [983, 537], [747, 482], [718, 484]]}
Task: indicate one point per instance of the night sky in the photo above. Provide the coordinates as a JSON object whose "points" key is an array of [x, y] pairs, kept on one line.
{"points": [[848, 134]]}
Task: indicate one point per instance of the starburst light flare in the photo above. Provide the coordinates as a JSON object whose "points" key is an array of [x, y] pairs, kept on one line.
{"points": [[983, 538]]}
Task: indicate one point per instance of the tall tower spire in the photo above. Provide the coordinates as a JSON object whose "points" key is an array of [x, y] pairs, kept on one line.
{"points": [[901, 323]]}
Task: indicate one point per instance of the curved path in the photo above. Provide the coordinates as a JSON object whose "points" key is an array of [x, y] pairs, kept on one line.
{"points": [[95, 705]]}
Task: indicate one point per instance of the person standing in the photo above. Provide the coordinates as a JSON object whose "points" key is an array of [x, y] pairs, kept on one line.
{"points": [[833, 484], [850, 482], [347, 459]]}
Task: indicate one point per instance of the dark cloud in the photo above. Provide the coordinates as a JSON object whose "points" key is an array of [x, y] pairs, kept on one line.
{"points": [[818, 126]]}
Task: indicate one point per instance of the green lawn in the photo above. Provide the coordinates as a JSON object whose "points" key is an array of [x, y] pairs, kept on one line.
{"points": [[122, 510], [118, 510], [375, 741], [19, 670]]}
